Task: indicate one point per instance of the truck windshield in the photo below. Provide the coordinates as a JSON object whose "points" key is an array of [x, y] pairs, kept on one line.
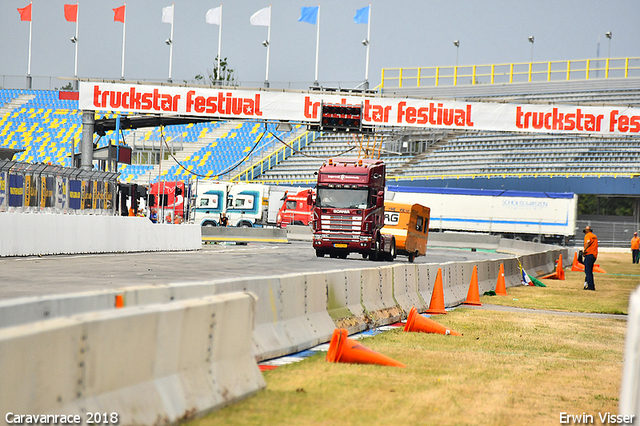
{"points": [[342, 198]]}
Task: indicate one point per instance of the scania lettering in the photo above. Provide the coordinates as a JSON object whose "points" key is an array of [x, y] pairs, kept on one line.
{"points": [[349, 210]]}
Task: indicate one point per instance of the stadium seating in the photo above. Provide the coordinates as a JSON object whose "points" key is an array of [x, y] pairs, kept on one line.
{"points": [[47, 128]]}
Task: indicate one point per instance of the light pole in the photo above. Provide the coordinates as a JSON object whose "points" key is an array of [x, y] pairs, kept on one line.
{"points": [[457, 45], [609, 34], [531, 40]]}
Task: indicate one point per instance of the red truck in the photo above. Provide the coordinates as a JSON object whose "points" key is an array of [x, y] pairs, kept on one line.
{"points": [[296, 209], [349, 210], [167, 201]]}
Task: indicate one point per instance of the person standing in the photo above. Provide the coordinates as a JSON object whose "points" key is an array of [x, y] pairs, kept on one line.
{"points": [[635, 248], [590, 255]]}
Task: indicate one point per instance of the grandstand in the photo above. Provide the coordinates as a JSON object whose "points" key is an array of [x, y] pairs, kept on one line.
{"points": [[49, 130]]}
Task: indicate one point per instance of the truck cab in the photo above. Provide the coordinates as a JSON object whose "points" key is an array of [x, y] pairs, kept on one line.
{"points": [[349, 210], [211, 202], [247, 205], [296, 209]]}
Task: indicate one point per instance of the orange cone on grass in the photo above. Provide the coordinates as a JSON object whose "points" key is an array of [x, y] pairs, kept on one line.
{"points": [[418, 323], [345, 350], [576, 266], [558, 274], [437, 297], [473, 295], [501, 287], [579, 267]]}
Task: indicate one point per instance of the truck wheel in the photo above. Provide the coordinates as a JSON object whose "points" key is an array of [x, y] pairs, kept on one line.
{"points": [[244, 224], [392, 251], [209, 223], [319, 253], [412, 257], [365, 255], [375, 254]]}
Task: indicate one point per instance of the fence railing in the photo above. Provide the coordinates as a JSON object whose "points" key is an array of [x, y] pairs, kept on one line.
{"points": [[33, 188], [610, 234], [276, 157], [616, 175], [524, 72]]}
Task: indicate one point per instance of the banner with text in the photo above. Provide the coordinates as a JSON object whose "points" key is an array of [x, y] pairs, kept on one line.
{"points": [[378, 111]]}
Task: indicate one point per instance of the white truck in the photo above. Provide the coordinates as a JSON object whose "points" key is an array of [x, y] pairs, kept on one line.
{"points": [[245, 204], [531, 216], [210, 203]]}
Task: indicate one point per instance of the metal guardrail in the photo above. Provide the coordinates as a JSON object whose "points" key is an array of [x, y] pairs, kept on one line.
{"points": [[26, 187], [616, 175], [523, 72], [610, 234], [276, 157]]}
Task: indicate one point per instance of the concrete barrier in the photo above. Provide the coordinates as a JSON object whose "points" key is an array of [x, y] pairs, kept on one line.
{"points": [[377, 295], [630, 387], [405, 287], [344, 299], [243, 235], [30, 234], [463, 240], [299, 233], [146, 365], [295, 312]]}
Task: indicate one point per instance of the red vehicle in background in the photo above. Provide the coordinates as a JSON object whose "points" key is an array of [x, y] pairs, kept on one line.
{"points": [[167, 201], [296, 209]]}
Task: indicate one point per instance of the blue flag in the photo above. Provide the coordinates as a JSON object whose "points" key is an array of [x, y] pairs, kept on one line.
{"points": [[362, 16], [309, 14]]}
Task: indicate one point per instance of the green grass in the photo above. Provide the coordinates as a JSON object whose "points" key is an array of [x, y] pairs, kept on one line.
{"points": [[611, 295], [508, 368]]}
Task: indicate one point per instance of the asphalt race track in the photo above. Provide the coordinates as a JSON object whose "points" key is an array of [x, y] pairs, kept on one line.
{"points": [[37, 276]]}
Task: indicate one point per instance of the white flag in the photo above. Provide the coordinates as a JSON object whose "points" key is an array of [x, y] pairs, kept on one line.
{"points": [[167, 14], [214, 16], [261, 18]]}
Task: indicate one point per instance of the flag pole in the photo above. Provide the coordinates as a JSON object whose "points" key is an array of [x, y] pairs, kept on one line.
{"points": [[29, 62], [220, 43], [124, 32], [76, 42], [266, 78], [366, 74], [317, 45], [173, 10]]}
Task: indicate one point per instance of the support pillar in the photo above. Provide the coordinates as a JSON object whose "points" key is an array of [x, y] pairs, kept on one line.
{"points": [[86, 147]]}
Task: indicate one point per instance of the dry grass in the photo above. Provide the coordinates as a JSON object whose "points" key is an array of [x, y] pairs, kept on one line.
{"points": [[507, 368], [611, 295]]}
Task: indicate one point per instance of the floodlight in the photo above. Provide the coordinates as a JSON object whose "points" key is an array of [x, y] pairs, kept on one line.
{"points": [[265, 43], [168, 42]]}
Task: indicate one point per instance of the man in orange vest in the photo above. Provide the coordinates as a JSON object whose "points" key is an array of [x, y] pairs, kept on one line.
{"points": [[590, 256], [635, 248]]}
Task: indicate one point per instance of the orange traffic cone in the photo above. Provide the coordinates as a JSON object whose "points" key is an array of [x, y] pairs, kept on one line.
{"points": [[579, 267], [560, 269], [473, 295], [558, 274], [437, 297], [418, 323], [597, 268], [576, 266], [501, 286], [119, 301], [343, 349]]}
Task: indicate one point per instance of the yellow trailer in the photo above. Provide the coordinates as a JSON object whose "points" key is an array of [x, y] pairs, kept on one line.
{"points": [[409, 224]]}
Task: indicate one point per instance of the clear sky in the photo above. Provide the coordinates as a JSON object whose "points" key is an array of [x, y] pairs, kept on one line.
{"points": [[404, 33]]}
